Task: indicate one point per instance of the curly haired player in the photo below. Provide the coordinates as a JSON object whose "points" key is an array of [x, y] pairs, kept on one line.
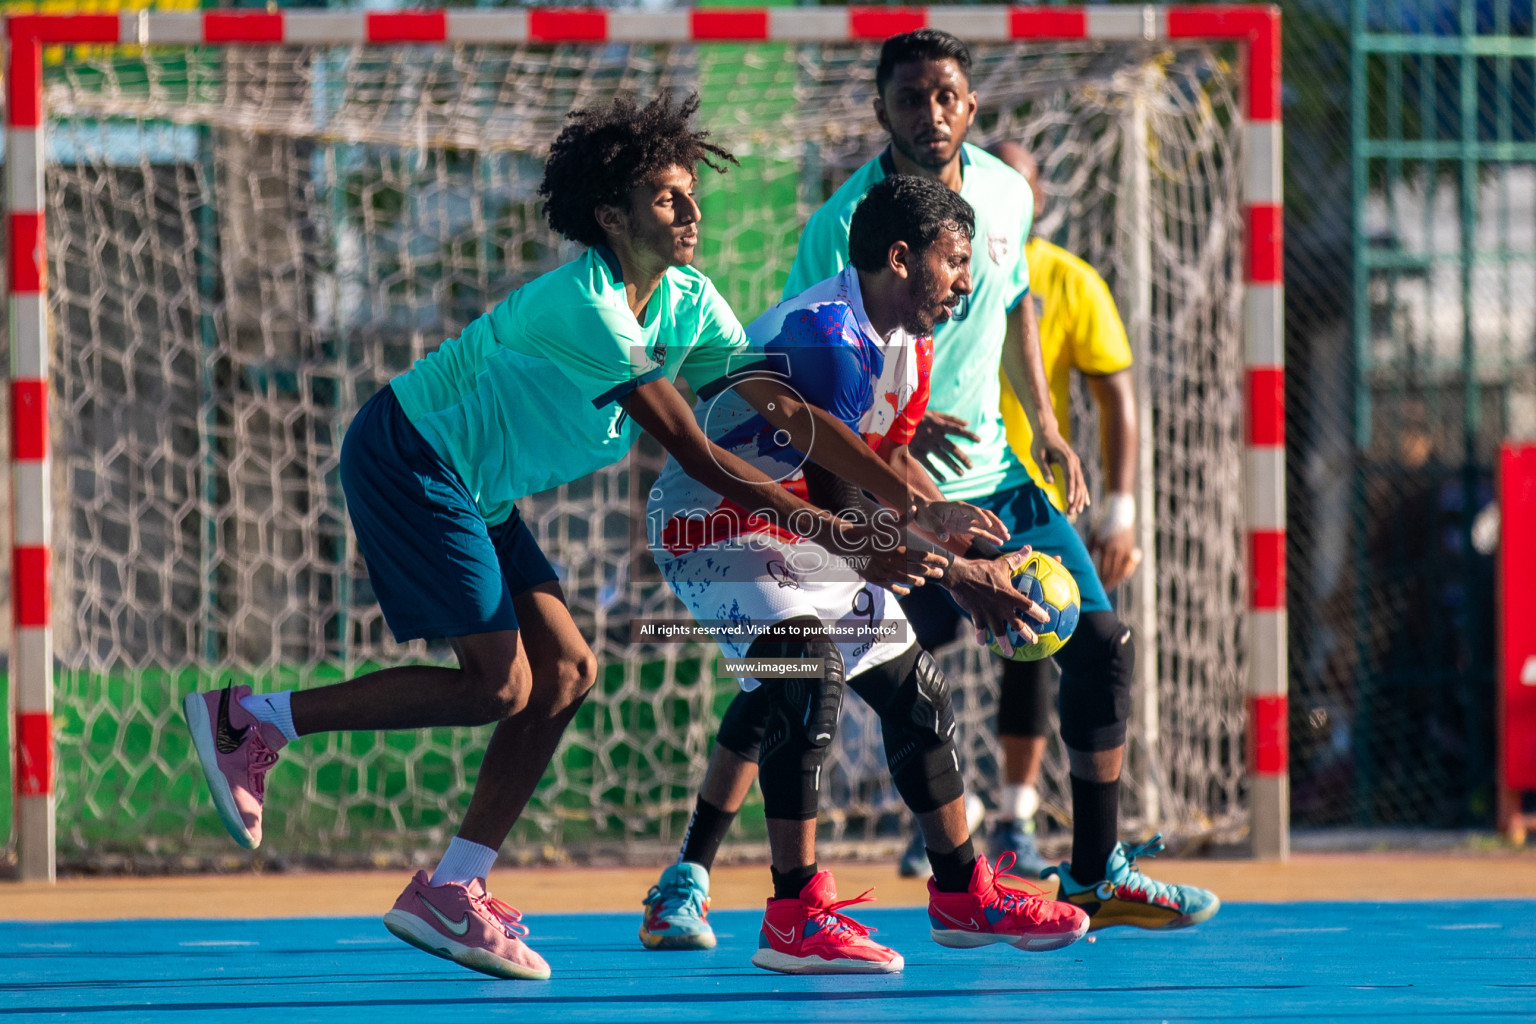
{"points": [[551, 384]]}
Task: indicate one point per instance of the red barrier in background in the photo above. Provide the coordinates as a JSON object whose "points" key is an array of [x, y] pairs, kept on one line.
{"points": [[1517, 631]]}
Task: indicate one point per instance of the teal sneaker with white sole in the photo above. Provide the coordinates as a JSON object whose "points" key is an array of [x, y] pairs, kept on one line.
{"points": [[1128, 897], [677, 910]]}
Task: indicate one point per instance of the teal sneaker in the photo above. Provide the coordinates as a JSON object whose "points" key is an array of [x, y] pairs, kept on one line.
{"points": [[1018, 838], [1127, 896], [677, 910]]}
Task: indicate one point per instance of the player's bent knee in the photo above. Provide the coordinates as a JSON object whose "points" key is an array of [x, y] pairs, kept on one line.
{"points": [[1097, 669], [575, 677], [917, 721], [494, 681], [502, 695], [920, 745], [800, 727], [560, 686]]}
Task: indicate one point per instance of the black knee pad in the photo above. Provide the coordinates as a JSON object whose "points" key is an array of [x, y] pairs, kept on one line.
{"points": [[801, 723], [1024, 698], [742, 725], [1096, 670], [917, 722]]}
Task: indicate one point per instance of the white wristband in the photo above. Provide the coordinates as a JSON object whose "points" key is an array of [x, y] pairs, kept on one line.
{"points": [[1117, 513]]}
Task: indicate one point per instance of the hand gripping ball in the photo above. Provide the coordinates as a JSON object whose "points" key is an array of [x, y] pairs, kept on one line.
{"points": [[1047, 582]]}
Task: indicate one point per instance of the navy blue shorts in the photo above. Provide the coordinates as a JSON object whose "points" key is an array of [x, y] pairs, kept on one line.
{"points": [[437, 569], [1031, 519]]}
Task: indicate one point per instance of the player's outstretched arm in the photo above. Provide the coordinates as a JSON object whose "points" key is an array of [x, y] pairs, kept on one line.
{"points": [[1025, 368], [955, 536], [828, 441], [823, 484], [876, 551]]}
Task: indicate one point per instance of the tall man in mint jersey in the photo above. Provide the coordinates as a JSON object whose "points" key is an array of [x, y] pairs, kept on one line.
{"points": [[926, 105], [551, 384]]}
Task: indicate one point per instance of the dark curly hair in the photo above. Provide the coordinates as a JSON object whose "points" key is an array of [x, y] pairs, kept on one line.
{"points": [[904, 208], [604, 152]]}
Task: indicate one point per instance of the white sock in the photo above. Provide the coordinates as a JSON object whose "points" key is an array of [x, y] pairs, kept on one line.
{"points": [[462, 862], [1018, 803], [274, 709]]}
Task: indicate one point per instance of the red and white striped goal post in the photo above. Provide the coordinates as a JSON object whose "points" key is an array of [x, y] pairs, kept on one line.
{"points": [[1255, 28]]}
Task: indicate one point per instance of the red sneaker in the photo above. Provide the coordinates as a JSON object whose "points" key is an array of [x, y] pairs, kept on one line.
{"points": [[467, 925], [237, 751], [809, 936], [991, 911]]}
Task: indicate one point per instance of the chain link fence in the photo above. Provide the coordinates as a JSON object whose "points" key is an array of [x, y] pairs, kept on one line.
{"points": [[1410, 261]]}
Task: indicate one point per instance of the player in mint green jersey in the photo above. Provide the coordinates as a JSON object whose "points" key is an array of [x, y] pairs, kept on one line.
{"points": [[926, 105], [969, 380], [550, 385]]}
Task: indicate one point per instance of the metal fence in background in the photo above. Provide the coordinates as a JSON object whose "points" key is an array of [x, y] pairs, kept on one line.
{"points": [[1411, 352]]}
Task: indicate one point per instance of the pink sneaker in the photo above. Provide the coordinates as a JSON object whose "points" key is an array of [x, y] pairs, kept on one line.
{"points": [[237, 751], [467, 925], [991, 911], [809, 936]]}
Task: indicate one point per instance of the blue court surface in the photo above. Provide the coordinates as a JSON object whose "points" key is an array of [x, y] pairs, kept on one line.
{"points": [[1463, 961]]}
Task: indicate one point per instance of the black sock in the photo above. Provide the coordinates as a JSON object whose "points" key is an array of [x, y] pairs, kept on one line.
{"points": [[706, 831], [1095, 827], [787, 884], [952, 870]]}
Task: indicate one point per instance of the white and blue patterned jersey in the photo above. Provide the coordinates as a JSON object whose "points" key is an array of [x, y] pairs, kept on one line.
{"points": [[822, 343]]}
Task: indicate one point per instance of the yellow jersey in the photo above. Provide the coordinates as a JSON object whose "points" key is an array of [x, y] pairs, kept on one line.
{"points": [[1080, 329]]}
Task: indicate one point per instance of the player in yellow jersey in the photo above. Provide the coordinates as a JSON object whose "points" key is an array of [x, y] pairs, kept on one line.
{"points": [[1081, 330]]}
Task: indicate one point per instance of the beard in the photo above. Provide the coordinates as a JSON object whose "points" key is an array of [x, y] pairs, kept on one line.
{"points": [[928, 163], [929, 310]]}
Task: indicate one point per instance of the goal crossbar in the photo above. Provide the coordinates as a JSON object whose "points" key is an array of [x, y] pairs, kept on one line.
{"points": [[1255, 29]]}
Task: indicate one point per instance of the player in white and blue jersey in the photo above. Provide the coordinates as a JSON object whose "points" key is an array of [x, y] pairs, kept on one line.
{"points": [[926, 105], [857, 345]]}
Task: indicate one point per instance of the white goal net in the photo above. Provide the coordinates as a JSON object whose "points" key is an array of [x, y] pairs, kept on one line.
{"points": [[245, 243]]}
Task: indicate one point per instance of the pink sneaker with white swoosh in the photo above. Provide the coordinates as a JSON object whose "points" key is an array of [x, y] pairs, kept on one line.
{"points": [[467, 925], [237, 751], [991, 911], [809, 936]]}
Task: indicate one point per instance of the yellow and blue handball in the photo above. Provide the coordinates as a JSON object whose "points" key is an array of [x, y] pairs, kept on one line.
{"points": [[1046, 582]]}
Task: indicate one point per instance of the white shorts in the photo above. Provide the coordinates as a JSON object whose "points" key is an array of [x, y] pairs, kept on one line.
{"points": [[744, 585]]}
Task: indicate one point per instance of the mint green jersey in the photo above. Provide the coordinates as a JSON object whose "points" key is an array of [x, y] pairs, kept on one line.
{"points": [[968, 349], [526, 397]]}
